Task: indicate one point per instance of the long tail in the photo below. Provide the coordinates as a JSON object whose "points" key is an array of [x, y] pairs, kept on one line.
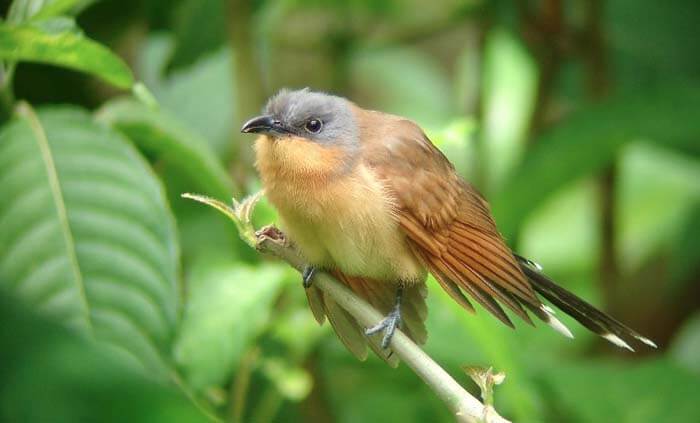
{"points": [[590, 317]]}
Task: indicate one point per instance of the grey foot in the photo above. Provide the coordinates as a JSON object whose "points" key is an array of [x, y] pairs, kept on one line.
{"points": [[308, 275], [388, 325]]}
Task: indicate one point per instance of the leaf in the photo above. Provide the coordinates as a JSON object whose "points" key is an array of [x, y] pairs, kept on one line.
{"points": [[590, 139], [637, 60], [229, 305], [292, 381], [58, 25], [201, 96], [562, 233], [61, 7], [685, 348], [241, 213], [422, 93], [685, 251], [155, 132], [486, 380], [194, 39], [21, 10], [66, 49], [48, 374], [650, 391], [508, 100], [86, 235], [36, 10], [656, 192], [456, 141]]}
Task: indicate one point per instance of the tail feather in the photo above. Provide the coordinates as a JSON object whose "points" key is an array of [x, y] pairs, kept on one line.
{"points": [[593, 319], [546, 314]]}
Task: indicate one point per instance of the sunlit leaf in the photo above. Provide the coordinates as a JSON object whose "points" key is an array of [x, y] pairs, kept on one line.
{"points": [[85, 234], [21, 10], [66, 49], [37, 10], [457, 142], [590, 139], [292, 382], [685, 348], [562, 234], [60, 7], [657, 188], [508, 101]]}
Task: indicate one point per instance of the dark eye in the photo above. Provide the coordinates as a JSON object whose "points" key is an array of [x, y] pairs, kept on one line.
{"points": [[313, 125]]}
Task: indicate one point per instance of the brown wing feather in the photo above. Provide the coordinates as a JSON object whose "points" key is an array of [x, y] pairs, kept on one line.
{"points": [[446, 220], [381, 295]]}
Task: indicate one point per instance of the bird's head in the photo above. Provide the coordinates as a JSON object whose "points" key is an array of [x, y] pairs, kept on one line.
{"points": [[321, 118]]}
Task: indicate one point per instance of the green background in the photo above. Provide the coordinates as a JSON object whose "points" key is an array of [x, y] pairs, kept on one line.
{"points": [[121, 301]]}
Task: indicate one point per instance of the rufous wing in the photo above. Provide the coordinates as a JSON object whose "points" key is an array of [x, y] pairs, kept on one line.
{"points": [[449, 227], [448, 224]]}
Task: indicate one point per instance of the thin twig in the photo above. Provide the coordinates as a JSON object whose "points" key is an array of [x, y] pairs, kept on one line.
{"points": [[459, 401], [270, 240]]}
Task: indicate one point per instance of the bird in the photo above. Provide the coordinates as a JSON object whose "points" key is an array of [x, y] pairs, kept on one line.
{"points": [[367, 197]]}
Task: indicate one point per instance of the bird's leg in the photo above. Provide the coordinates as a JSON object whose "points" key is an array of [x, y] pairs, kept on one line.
{"points": [[307, 275], [390, 322]]}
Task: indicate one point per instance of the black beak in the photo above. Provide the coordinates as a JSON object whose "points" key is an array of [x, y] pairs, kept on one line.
{"points": [[262, 124]]}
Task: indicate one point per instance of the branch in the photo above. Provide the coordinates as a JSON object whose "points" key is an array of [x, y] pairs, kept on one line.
{"points": [[271, 241]]}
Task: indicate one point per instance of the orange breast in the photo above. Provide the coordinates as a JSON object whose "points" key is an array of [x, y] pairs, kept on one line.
{"points": [[339, 218]]}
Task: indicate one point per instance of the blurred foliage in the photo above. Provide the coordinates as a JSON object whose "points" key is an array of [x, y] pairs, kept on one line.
{"points": [[120, 301]]}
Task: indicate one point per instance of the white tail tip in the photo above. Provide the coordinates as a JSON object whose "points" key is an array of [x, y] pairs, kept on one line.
{"points": [[556, 324], [646, 341], [548, 309], [617, 341]]}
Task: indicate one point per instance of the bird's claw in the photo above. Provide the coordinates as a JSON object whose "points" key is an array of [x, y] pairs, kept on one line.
{"points": [[307, 275], [388, 325]]}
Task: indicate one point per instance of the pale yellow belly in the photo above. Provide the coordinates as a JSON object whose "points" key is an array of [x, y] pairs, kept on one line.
{"points": [[350, 226]]}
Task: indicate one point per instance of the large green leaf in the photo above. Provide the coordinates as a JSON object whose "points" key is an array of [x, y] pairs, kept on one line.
{"points": [[163, 136], [591, 138], [85, 233], [48, 374], [67, 49]]}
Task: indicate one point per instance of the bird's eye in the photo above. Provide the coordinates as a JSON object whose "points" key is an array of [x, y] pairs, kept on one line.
{"points": [[313, 126]]}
